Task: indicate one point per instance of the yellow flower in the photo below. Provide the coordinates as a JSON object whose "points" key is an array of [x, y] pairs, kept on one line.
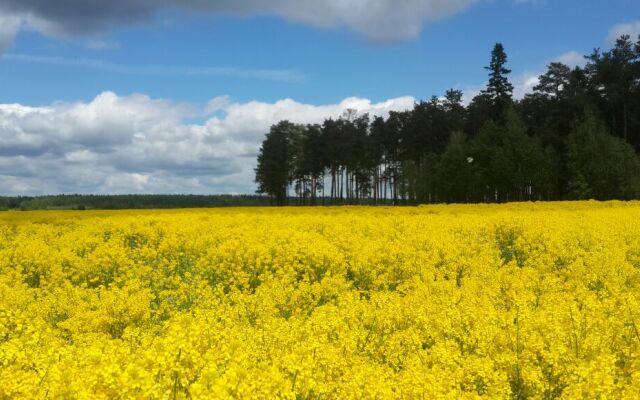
{"points": [[493, 301]]}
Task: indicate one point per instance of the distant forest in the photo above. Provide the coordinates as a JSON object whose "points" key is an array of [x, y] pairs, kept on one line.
{"points": [[114, 202], [577, 136]]}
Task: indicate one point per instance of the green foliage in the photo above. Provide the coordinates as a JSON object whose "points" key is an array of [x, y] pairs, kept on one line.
{"points": [[277, 159], [613, 77], [601, 166], [510, 165], [454, 173]]}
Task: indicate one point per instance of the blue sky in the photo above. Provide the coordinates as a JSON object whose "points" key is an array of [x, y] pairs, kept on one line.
{"points": [[216, 73]]}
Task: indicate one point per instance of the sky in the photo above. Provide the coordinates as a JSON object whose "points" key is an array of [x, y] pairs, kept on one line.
{"points": [[175, 96]]}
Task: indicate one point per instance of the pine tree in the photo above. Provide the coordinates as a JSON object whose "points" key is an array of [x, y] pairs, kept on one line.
{"points": [[499, 90], [553, 82], [277, 160]]}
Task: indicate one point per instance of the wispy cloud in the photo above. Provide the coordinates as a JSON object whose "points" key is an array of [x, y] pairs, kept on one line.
{"points": [[280, 75], [631, 28], [99, 44]]}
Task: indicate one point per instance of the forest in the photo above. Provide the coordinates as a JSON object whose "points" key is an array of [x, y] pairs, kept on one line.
{"points": [[576, 136]]}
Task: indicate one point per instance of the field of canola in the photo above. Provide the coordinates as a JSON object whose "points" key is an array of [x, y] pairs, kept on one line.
{"points": [[439, 302]]}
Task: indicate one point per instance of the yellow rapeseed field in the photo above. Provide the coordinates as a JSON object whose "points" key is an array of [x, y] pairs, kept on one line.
{"points": [[439, 302]]}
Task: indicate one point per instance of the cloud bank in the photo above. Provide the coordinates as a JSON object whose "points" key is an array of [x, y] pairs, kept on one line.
{"points": [[378, 20], [136, 144]]}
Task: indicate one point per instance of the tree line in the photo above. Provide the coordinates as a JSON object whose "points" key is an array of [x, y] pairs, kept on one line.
{"points": [[127, 201], [576, 136]]}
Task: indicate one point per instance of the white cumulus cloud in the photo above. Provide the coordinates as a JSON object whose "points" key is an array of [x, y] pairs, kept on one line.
{"points": [[572, 59], [630, 28], [137, 144]]}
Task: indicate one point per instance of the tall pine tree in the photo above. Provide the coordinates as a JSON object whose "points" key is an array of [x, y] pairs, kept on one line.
{"points": [[499, 90]]}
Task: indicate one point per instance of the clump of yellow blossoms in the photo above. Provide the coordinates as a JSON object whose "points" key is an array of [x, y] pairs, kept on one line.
{"points": [[440, 302]]}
